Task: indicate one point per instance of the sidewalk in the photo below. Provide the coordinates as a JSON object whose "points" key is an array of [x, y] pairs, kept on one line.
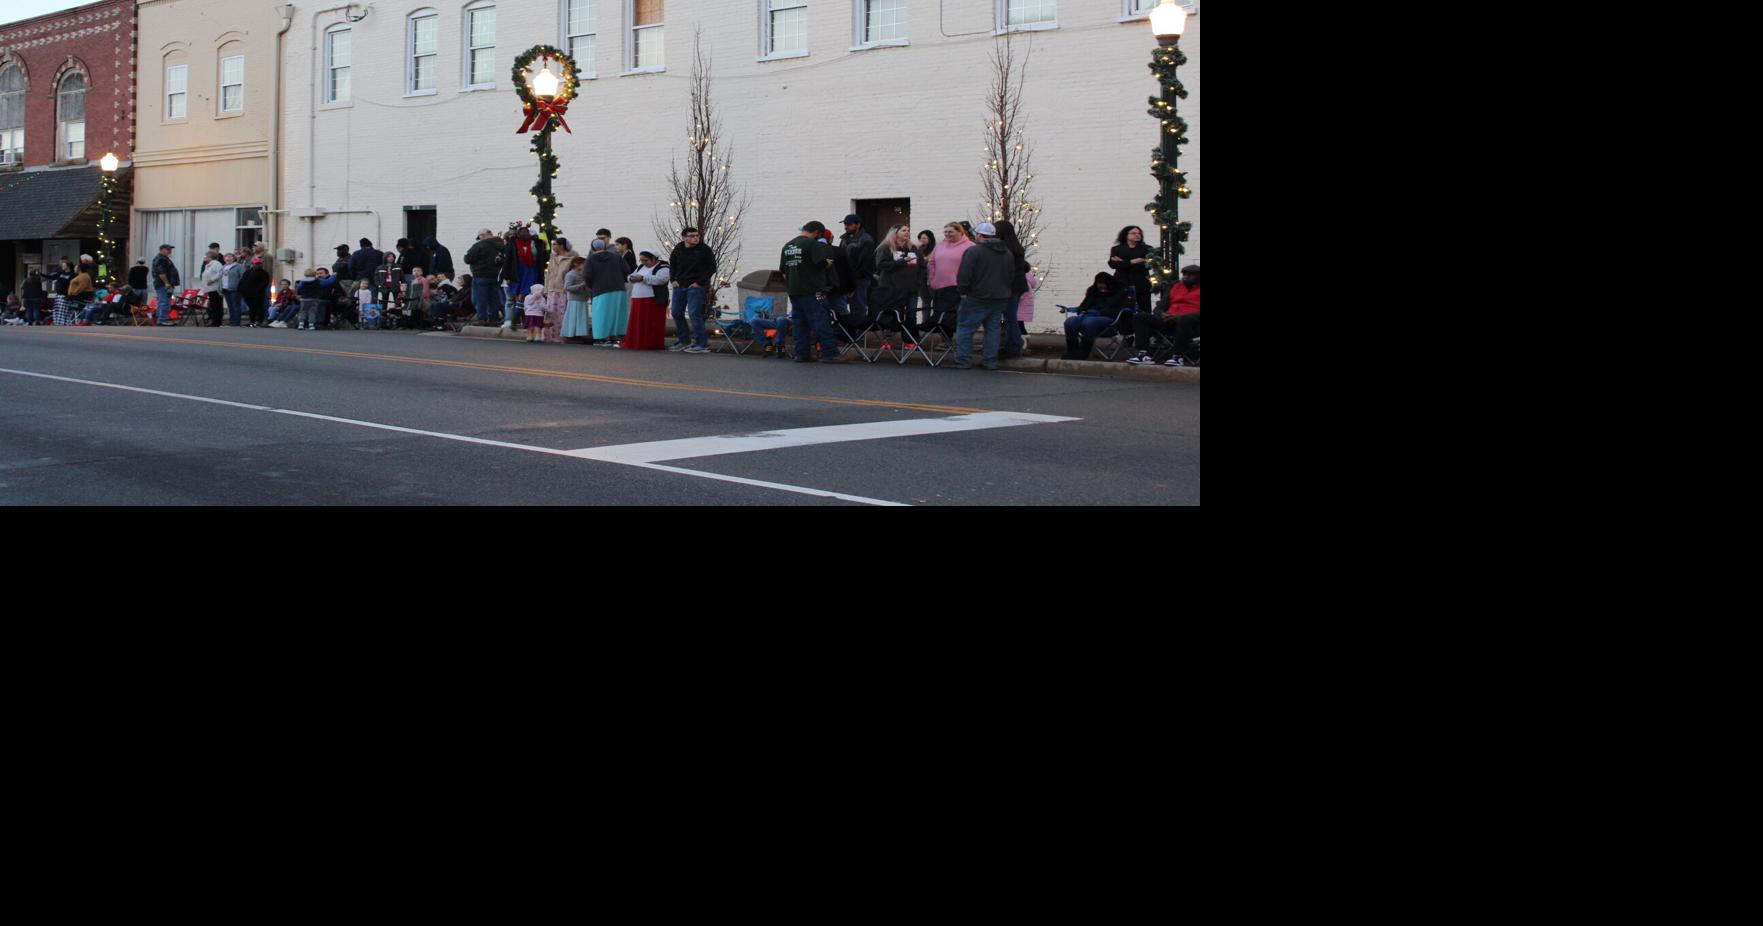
{"points": [[1042, 361]]}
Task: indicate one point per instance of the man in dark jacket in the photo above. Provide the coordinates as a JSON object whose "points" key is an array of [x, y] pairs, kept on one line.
{"points": [[343, 268], [694, 272], [165, 282], [484, 259], [859, 248], [410, 258], [984, 281], [364, 262], [440, 259], [138, 276]]}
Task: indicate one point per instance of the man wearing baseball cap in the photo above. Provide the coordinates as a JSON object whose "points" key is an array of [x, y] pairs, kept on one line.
{"points": [[484, 258], [859, 247], [984, 281], [804, 264], [165, 282], [1178, 318]]}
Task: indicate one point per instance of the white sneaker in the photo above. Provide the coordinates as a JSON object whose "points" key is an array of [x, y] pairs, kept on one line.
{"points": [[507, 326], [1175, 361], [278, 324], [1141, 358]]}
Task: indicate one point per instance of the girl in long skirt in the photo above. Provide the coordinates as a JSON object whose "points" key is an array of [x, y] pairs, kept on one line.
{"points": [[648, 318], [576, 323]]}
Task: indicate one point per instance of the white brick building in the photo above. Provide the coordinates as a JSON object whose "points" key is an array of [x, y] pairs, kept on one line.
{"points": [[383, 121]]}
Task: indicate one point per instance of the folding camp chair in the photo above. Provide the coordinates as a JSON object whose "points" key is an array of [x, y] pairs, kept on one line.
{"points": [[768, 317], [142, 314], [942, 324], [735, 324], [891, 323]]}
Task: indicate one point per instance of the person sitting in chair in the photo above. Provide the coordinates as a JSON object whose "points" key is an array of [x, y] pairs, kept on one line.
{"points": [[1101, 305], [1178, 317]]}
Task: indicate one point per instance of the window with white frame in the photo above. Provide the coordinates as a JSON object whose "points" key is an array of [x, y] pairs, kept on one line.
{"points": [[880, 21], [70, 117], [424, 43], [480, 45], [1139, 7], [581, 29], [783, 27], [12, 115], [645, 47], [1026, 14], [177, 96], [338, 52], [232, 84]]}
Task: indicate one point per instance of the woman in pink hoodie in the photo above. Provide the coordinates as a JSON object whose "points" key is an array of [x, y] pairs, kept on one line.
{"points": [[945, 263]]}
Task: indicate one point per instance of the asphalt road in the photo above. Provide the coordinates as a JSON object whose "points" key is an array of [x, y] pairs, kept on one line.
{"points": [[222, 416]]}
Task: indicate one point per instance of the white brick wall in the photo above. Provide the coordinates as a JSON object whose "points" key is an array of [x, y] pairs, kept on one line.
{"points": [[810, 134]]}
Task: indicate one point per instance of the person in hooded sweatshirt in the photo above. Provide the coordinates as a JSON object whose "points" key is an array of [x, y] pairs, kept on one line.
{"points": [[612, 304], [1100, 307], [254, 287], [440, 259], [984, 282]]}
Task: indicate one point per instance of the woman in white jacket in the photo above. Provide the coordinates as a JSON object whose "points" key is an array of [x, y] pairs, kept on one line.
{"points": [[648, 322], [211, 271]]}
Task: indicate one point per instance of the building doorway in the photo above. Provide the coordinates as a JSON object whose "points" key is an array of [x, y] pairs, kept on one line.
{"points": [[879, 215], [419, 224]]}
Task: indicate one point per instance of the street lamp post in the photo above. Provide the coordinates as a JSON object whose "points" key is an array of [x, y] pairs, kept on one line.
{"points": [[545, 95], [1167, 22], [107, 189]]}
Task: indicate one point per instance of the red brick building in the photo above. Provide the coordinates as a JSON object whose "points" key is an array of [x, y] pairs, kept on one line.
{"points": [[67, 97]]}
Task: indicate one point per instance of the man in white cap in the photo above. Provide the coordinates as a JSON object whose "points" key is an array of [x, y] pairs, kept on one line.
{"points": [[984, 281], [484, 258]]}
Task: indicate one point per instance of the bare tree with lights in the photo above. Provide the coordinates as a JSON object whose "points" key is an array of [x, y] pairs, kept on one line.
{"points": [[1007, 180], [702, 194]]}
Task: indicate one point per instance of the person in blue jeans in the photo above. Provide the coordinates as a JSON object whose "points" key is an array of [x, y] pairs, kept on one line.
{"points": [[984, 282], [165, 282], [694, 272], [1100, 307]]}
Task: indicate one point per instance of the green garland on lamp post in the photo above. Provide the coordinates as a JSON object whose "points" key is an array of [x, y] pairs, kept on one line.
{"points": [[544, 112], [106, 192], [1172, 183]]}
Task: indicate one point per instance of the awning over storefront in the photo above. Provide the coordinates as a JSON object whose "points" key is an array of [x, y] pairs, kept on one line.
{"points": [[58, 204]]}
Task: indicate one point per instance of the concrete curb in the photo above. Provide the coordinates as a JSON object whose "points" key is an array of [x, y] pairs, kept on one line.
{"points": [[485, 331], [1103, 369]]}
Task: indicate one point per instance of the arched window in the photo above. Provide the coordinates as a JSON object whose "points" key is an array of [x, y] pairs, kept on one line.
{"points": [[177, 89], [11, 114], [232, 78], [70, 118]]}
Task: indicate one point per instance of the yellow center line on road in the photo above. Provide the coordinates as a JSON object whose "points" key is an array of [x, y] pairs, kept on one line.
{"points": [[527, 371]]}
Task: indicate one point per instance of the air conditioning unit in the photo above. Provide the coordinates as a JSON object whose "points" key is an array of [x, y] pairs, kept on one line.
{"points": [[8, 156]]}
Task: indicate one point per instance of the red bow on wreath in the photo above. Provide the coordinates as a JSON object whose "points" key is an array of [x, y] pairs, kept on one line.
{"points": [[540, 112]]}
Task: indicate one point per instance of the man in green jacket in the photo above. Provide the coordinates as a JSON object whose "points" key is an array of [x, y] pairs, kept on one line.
{"points": [[804, 264]]}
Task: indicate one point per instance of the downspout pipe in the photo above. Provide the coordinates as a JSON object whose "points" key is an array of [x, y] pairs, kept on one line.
{"points": [[286, 12]]}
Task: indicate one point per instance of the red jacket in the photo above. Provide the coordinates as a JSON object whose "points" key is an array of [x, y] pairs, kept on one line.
{"points": [[1184, 300]]}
